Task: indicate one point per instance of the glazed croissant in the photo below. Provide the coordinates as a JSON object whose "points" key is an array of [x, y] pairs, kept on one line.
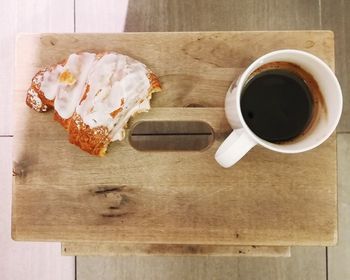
{"points": [[94, 96]]}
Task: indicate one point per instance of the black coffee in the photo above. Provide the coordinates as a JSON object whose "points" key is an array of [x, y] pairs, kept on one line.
{"points": [[277, 105]]}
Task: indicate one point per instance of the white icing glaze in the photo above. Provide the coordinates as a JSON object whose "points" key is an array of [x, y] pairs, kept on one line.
{"points": [[118, 132], [68, 96], [114, 82], [49, 84], [114, 78]]}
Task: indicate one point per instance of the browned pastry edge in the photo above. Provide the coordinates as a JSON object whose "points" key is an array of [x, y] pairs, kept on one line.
{"points": [[34, 93], [64, 122], [92, 140], [95, 141]]}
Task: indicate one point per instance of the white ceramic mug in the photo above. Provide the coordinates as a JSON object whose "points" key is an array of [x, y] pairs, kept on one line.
{"points": [[242, 139]]}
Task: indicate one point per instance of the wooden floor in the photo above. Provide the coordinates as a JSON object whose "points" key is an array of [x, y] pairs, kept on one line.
{"points": [[42, 261]]}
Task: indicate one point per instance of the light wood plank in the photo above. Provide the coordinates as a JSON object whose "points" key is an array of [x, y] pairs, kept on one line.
{"points": [[199, 15], [278, 209], [335, 16], [339, 256], [304, 264], [94, 16], [115, 249]]}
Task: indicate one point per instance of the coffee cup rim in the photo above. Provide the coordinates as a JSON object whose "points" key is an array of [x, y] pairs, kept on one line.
{"points": [[260, 61]]}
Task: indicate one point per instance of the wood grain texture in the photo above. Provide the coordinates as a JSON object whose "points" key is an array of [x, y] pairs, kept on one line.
{"points": [[170, 198], [171, 136], [115, 249], [339, 256], [170, 15], [94, 16], [335, 16], [195, 68], [220, 15], [303, 264]]}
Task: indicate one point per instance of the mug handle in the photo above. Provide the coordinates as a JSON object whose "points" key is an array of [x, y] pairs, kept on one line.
{"points": [[235, 146]]}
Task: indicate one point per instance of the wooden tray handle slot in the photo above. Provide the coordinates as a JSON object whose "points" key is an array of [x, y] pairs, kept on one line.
{"points": [[171, 136], [178, 129]]}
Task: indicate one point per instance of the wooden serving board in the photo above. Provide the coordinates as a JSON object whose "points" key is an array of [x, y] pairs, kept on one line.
{"points": [[62, 194]]}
